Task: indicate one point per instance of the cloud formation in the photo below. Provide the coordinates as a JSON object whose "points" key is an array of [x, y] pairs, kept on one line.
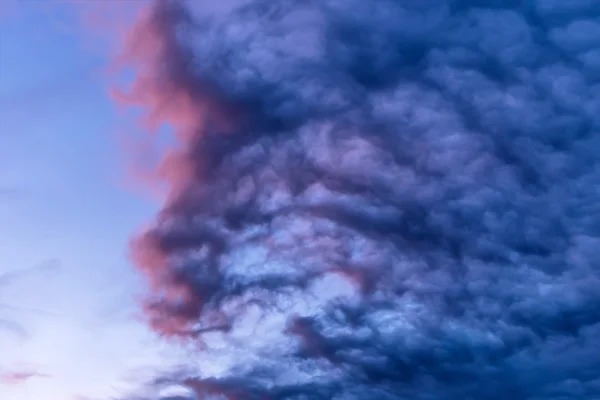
{"points": [[375, 199], [16, 378]]}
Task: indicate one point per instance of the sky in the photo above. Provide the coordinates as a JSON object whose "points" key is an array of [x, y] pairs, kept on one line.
{"points": [[344, 200], [71, 290]]}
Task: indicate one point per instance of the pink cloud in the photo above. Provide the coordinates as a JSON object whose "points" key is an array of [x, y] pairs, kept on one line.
{"points": [[168, 92], [16, 378]]}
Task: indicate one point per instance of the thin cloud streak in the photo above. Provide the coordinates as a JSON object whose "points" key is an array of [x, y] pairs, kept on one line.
{"points": [[17, 378]]}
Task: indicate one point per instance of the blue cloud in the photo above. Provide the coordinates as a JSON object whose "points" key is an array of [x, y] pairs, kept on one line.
{"points": [[408, 206]]}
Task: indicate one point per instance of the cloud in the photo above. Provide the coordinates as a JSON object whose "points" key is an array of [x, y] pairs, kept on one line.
{"points": [[11, 322], [16, 378], [375, 200]]}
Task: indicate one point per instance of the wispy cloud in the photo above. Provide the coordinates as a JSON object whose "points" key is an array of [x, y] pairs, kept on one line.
{"points": [[11, 322], [16, 378], [50, 265]]}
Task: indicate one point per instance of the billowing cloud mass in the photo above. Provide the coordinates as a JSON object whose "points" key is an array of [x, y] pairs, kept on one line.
{"points": [[375, 199]]}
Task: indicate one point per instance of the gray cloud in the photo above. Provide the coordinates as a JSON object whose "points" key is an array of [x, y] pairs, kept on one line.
{"points": [[377, 200]]}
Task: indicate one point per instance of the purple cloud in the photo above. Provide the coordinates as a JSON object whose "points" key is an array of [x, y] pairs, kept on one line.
{"points": [[376, 200]]}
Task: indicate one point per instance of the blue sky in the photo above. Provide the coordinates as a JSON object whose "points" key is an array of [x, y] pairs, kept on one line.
{"points": [[61, 179]]}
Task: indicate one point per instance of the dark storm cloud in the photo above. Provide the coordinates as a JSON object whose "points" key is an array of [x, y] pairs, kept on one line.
{"points": [[377, 199]]}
